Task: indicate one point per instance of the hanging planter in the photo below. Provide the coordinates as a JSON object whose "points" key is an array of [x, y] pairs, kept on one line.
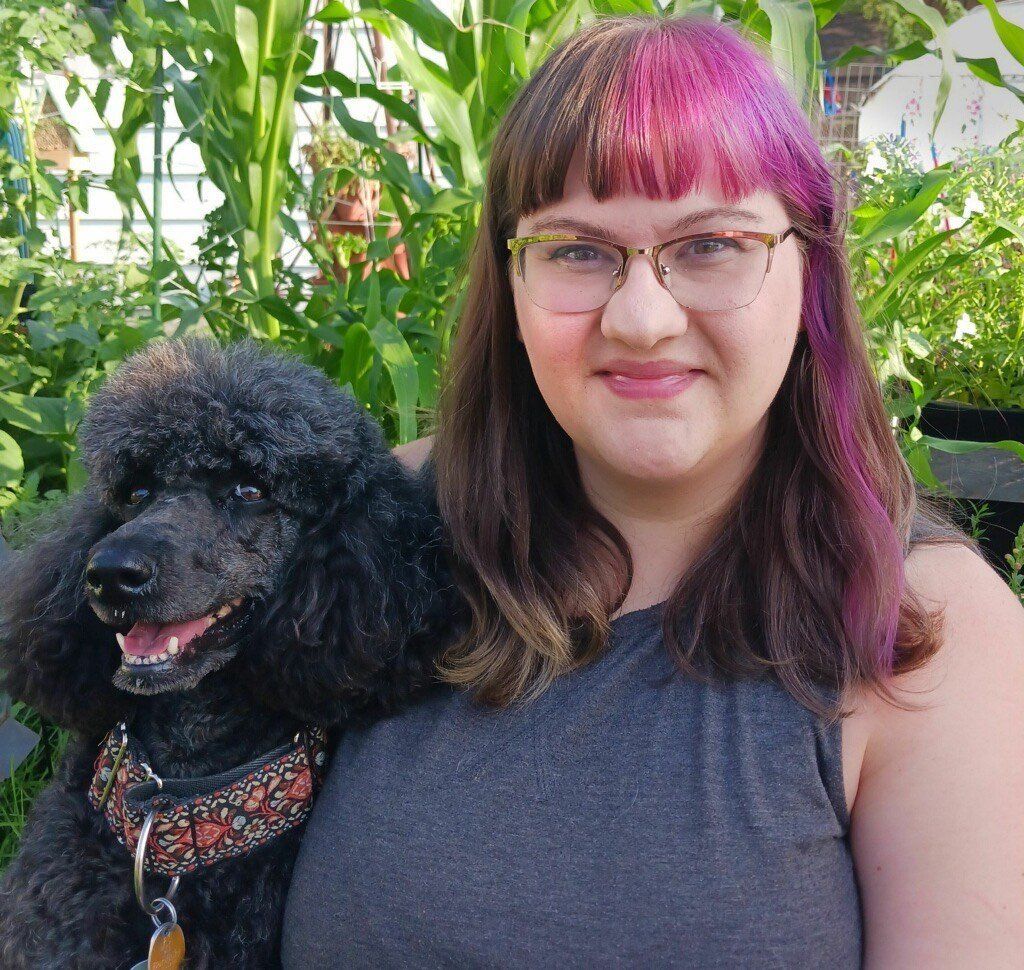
{"points": [[349, 204]]}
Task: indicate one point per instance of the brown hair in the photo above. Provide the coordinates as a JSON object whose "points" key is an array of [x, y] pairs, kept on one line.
{"points": [[804, 580]]}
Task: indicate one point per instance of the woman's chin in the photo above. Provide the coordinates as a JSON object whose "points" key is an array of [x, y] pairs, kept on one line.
{"points": [[651, 459]]}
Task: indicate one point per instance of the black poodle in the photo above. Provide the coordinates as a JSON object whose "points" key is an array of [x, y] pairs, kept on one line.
{"points": [[247, 571]]}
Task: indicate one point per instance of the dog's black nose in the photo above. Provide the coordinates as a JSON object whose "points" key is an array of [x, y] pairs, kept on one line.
{"points": [[119, 571]]}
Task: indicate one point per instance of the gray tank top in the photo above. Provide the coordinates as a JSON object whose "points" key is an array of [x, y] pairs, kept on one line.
{"points": [[629, 817]]}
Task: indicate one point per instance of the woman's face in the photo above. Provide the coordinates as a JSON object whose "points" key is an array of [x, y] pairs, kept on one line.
{"points": [[668, 429]]}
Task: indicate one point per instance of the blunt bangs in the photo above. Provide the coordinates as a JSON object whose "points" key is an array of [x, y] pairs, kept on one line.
{"points": [[687, 101]]}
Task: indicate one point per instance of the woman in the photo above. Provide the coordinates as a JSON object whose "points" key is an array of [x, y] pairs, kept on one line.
{"points": [[711, 712]]}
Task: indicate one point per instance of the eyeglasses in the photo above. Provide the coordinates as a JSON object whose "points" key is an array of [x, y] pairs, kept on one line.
{"points": [[707, 271]]}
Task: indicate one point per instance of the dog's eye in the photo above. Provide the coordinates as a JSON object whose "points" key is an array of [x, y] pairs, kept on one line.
{"points": [[138, 495], [248, 493]]}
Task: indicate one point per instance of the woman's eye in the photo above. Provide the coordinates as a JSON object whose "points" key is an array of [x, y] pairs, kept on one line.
{"points": [[707, 247], [138, 495], [577, 254], [248, 493]]}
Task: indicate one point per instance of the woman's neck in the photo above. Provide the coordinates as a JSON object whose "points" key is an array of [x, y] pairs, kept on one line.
{"points": [[666, 524]]}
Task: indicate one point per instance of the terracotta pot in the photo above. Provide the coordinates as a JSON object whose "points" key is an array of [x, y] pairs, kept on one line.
{"points": [[398, 260], [353, 212]]}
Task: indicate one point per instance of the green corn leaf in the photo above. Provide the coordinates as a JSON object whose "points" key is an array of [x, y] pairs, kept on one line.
{"points": [[516, 36], [356, 361], [347, 88], [966, 447], [432, 27], [794, 47], [892, 56], [447, 107], [906, 265], [1008, 32], [825, 11], [333, 13], [932, 19], [281, 310], [401, 367], [902, 217]]}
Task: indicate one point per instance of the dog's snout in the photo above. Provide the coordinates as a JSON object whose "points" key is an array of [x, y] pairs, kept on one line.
{"points": [[123, 572]]}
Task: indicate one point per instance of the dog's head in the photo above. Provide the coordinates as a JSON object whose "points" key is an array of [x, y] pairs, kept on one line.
{"points": [[209, 462]]}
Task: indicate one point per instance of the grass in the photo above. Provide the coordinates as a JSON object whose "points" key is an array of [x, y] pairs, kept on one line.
{"points": [[29, 778]]}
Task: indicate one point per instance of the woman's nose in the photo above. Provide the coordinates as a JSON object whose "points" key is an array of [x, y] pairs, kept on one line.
{"points": [[642, 311]]}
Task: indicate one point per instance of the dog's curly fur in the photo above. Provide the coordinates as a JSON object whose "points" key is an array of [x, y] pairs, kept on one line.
{"points": [[348, 597]]}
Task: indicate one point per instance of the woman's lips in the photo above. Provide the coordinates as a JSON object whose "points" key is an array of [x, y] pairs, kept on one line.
{"points": [[666, 385]]}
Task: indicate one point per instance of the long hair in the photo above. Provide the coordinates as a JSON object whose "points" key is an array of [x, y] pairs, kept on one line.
{"points": [[804, 579]]}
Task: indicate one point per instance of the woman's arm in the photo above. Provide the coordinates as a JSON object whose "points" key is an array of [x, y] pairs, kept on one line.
{"points": [[413, 453], [937, 828]]}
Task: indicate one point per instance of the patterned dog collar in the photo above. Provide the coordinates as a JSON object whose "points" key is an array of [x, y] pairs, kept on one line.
{"points": [[200, 821]]}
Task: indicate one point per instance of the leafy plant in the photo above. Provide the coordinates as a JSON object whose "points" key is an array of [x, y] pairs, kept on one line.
{"points": [[1015, 560], [901, 27]]}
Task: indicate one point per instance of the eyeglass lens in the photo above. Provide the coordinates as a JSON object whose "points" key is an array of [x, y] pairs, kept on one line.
{"points": [[708, 273]]}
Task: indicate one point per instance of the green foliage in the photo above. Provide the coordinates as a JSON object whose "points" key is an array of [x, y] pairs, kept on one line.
{"points": [[38, 37], [903, 28], [80, 320], [937, 261], [1015, 560]]}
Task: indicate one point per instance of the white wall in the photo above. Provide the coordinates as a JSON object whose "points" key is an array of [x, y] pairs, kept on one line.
{"points": [[977, 114], [187, 195]]}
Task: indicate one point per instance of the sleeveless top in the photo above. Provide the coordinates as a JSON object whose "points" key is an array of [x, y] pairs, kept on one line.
{"points": [[630, 816]]}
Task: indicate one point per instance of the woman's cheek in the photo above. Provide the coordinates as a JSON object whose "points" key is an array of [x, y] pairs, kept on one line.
{"points": [[555, 346]]}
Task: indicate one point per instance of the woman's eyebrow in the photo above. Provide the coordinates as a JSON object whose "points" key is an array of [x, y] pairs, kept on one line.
{"points": [[679, 227]]}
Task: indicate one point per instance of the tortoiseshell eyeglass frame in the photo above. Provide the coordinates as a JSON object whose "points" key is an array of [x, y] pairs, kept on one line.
{"points": [[770, 239]]}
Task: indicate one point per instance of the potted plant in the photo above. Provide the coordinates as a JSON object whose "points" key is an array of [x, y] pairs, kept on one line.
{"points": [[346, 201], [995, 476]]}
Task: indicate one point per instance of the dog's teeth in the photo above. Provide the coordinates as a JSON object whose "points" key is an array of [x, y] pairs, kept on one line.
{"points": [[172, 647], [120, 640]]}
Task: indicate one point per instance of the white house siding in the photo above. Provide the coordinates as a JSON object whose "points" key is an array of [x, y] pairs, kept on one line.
{"points": [[187, 194]]}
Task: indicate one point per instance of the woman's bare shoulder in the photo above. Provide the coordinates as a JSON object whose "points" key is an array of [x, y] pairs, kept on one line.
{"points": [[413, 453], [932, 817], [948, 576]]}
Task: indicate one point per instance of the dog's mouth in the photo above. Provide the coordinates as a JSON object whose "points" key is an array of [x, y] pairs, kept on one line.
{"points": [[151, 644]]}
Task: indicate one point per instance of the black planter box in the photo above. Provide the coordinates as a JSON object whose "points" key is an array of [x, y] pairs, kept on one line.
{"points": [[989, 475]]}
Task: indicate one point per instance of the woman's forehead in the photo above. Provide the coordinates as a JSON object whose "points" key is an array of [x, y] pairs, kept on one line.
{"points": [[630, 217]]}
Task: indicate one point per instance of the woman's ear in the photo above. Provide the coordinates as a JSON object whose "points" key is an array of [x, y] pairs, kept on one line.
{"points": [[55, 654]]}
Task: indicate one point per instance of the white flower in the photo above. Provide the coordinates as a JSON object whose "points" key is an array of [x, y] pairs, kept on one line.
{"points": [[965, 328], [973, 204], [954, 221], [875, 161]]}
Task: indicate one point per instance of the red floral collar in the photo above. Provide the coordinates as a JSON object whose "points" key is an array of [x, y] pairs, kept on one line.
{"points": [[200, 821]]}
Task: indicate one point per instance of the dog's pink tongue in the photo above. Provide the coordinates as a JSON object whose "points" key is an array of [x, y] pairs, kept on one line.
{"points": [[148, 639]]}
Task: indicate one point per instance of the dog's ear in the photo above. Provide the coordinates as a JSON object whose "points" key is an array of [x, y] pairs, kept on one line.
{"points": [[364, 607], [55, 654]]}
